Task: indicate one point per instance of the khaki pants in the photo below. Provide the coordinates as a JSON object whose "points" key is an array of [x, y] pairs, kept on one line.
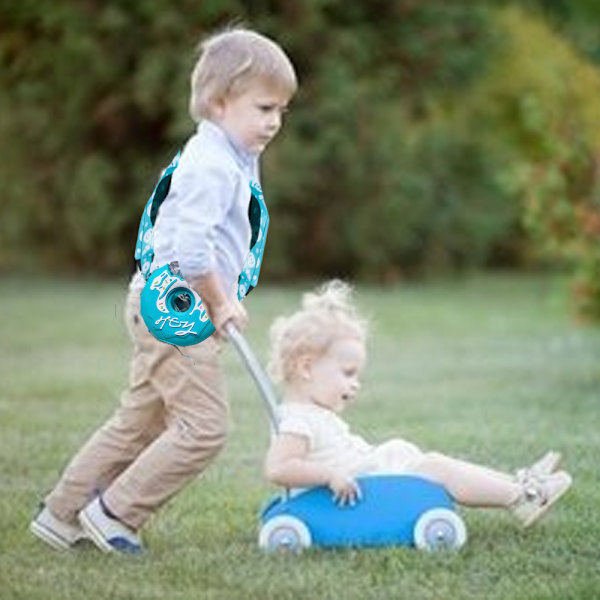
{"points": [[171, 423]]}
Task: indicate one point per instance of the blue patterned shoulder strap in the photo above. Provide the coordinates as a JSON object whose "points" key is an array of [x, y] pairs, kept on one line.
{"points": [[144, 248], [257, 215], [259, 222]]}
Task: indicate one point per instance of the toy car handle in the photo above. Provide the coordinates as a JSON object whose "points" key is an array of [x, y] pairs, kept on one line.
{"points": [[256, 370]]}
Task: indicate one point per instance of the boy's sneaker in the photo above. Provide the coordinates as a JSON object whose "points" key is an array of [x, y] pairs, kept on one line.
{"points": [[539, 495], [107, 532], [59, 534], [543, 467]]}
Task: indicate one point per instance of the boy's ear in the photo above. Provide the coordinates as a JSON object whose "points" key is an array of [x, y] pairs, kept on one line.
{"points": [[216, 108]]}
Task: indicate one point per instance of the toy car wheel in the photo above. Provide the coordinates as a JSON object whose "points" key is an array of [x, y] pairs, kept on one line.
{"points": [[439, 529], [284, 534]]}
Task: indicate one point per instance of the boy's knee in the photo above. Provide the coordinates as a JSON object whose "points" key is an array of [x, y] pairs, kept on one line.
{"points": [[207, 435]]}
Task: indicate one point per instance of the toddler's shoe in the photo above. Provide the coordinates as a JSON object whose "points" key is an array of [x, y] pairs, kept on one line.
{"points": [[539, 495], [107, 532], [59, 534], [544, 466]]}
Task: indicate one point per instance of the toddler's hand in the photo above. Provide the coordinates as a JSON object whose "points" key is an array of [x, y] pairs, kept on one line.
{"points": [[345, 489]]}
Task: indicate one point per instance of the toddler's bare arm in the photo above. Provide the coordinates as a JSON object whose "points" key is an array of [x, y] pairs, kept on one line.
{"points": [[286, 465]]}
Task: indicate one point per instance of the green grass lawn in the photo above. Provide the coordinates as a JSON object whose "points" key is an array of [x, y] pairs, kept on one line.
{"points": [[489, 368]]}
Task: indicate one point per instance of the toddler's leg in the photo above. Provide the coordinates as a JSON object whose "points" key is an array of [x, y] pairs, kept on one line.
{"points": [[477, 486], [468, 483]]}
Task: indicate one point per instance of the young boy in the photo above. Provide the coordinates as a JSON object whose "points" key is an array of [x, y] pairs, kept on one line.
{"points": [[172, 418], [318, 354]]}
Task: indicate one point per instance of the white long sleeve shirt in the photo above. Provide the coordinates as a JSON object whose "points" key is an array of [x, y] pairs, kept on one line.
{"points": [[203, 222]]}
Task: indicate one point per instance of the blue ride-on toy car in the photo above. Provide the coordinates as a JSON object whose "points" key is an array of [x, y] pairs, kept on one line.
{"points": [[394, 510]]}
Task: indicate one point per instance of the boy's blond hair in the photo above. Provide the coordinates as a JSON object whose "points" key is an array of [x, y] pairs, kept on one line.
{"points": [[230, 61], [327, 315]]}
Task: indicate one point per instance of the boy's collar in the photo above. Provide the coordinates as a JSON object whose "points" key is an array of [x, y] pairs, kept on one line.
{"points": [[246, 158]]}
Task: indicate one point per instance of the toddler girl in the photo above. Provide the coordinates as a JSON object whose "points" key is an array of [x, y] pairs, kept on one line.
{"points": [[317, 355]]}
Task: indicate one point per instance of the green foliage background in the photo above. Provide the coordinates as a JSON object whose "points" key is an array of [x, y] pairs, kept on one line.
{"points": [[426, 136]]}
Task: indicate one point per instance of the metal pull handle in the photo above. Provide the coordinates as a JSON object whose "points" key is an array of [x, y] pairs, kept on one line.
{"points": [[256, 370]]}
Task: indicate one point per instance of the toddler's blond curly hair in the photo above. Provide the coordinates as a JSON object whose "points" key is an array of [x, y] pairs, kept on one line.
{"points": [[326, 315]]}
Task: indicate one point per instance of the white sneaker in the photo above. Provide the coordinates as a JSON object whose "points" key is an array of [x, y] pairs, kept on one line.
{"points": [[544, 466], [108, 533], [59, 534], [539, 495]]}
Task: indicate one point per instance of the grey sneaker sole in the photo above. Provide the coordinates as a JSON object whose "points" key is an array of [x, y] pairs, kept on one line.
{"points": [[49, 537], [94, 532]]}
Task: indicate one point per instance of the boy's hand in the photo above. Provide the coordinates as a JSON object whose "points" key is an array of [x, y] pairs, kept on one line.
{"points": [[220, 308], [345, 489], [227, 312]]}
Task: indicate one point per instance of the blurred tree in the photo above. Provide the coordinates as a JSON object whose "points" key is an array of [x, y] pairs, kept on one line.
{"points": [[578, 20], [95, 95], [540, 98], [404, 152], [97, 98], [363, 182]]}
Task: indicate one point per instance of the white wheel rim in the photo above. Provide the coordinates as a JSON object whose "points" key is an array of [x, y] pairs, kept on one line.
{"points": [[439, 529], [285, 534]]}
